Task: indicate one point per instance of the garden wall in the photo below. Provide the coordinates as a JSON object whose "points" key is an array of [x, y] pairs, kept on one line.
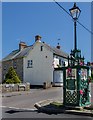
{"points": [[14, 87]]}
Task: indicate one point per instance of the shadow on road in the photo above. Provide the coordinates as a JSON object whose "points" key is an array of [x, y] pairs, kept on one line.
{"points": [[49, 109], [17, 111]]}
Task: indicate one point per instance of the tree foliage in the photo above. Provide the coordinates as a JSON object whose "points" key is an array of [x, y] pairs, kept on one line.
{"points": [[12, 77]]}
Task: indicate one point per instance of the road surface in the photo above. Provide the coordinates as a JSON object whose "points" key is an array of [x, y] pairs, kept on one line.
{"points": [[21, 105]]}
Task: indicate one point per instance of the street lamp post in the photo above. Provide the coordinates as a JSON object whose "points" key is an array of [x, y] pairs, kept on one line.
{"points": [[75, 13], [75, 75]]}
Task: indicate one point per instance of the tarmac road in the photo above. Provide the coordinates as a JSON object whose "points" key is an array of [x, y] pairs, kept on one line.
{"points": [[21, 113], [24, 101], [27, 99], [21, 104]]}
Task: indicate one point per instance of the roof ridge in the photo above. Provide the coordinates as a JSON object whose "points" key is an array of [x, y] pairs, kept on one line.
{"points": [[17, 54]]}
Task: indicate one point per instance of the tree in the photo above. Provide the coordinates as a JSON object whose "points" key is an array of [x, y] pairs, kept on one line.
{"points": [[12, 77]]}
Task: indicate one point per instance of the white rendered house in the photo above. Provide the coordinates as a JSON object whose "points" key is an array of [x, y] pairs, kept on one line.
{"points": [[35, 64]]}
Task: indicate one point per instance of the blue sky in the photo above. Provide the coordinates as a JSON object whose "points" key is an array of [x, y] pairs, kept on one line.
{"points": [[21, 21]]}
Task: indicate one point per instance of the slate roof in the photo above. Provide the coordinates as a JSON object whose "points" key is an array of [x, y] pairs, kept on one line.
{"points": [[11, 55], [57, 51], [19, 54]]}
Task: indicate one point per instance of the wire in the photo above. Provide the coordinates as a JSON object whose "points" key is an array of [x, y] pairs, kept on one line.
{"points": [[85, 27], [71, 16], [62, 7]]}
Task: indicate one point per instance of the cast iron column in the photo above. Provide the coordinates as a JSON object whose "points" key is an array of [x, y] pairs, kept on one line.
{"points": [[75, 37]]}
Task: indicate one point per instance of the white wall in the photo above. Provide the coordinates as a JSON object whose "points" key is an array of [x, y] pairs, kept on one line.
{"points": [[56, 62], [66, 63], [42, 66]]}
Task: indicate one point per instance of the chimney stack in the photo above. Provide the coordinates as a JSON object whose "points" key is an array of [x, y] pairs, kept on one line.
{"points": [[38, 38], [22, 45], [58, 46]]}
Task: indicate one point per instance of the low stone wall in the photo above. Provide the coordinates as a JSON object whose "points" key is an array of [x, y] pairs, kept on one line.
{"points": [[14, 87]]}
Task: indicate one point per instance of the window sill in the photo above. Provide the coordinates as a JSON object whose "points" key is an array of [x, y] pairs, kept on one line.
{"points": [[29, 67]]}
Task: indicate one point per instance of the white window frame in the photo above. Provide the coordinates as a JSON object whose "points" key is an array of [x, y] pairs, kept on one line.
{"points": [[30, 64]]}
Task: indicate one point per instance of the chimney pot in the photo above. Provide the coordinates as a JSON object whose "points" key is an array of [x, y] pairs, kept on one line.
{"points": [[22, 45], [37, 38], [58, 46]]}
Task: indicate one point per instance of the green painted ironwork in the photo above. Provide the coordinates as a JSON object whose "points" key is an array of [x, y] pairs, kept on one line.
{"points": [[76, 84], [75, 81]]}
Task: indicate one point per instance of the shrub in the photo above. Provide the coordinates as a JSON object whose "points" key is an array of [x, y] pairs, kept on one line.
{"points": [[12, 77], [9, 81]]}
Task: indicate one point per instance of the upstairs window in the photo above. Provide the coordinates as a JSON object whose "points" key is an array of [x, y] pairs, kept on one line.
{"points": [[30, 63], [41, 48], [63, 63], [60, 62]]}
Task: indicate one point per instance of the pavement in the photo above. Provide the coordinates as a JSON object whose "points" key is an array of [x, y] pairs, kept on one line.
{"points": [[47, 107]]}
